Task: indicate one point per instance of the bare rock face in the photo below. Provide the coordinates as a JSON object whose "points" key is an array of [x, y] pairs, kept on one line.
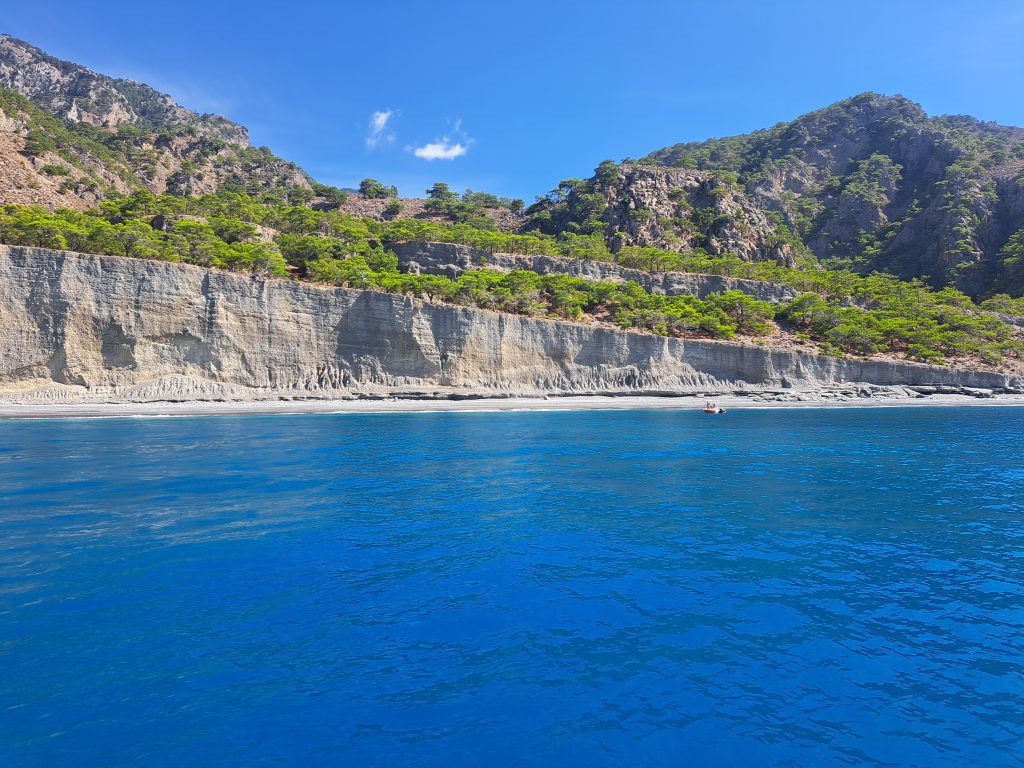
{"points": [[674, 209], [683, 209], [76, 327]]}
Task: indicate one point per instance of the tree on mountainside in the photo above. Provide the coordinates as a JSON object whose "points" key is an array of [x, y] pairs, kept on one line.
{"points": [[261, 259], [441, 191], [484, 199], [373, 189], [441, 196], [1011, 262], [38, 143], [607, 173], [441, 200], [136, 239], [332, 195], [232, 230], [196, 241]]}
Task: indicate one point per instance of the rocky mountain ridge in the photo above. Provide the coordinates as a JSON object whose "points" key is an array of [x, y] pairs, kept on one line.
{"points": [[876, 183], [79, 95], [70, 136], [871, 182]]}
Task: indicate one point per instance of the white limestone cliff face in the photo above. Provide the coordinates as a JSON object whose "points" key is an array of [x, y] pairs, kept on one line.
{"points": [[77, 327]]}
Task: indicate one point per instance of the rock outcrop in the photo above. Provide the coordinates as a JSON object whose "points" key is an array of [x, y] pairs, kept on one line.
{"points": [[675, 209], [452, 260], [682, 209], [76, 327]]}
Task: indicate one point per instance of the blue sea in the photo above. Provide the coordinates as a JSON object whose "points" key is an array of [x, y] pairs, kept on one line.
{"points": [[633, 588]]}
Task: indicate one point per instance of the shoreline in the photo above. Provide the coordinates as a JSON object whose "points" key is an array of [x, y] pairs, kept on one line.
{"points": [[479, 405]]}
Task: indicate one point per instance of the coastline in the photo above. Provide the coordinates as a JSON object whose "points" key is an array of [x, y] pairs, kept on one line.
{"points": [[481, 405]]}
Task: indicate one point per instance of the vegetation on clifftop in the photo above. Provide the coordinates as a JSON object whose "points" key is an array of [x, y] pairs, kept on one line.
{"points": [[839, 312]]}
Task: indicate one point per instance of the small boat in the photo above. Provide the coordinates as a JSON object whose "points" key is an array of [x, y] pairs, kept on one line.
{"points": [[710, 408]]}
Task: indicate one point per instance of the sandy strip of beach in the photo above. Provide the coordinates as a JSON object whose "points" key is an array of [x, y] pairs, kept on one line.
{"points": [[411, 405]]}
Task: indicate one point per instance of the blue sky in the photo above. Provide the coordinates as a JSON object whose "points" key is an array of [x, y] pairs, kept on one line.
{"points": [[512, 97]]}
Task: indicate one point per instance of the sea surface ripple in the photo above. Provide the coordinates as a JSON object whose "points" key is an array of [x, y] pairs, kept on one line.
{"points": [[648, 588]]}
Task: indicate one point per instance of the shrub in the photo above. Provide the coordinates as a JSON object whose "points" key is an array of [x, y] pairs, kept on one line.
{"points": [[373, 189]]}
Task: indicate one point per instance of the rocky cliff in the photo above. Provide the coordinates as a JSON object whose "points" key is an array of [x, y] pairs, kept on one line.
{"points": [[79, 327]]}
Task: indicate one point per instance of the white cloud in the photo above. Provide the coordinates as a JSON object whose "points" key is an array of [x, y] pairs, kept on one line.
{"points": [[377, 132], [445, 148], [442, 149]]}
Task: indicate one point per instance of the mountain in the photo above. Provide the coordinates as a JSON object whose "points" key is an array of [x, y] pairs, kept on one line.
{"points": [[871, 182], [676, 209], [722, 247], [70, 136]]}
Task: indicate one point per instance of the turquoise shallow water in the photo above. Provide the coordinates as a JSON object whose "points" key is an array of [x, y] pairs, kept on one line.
{"points": [[791, 588]]}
